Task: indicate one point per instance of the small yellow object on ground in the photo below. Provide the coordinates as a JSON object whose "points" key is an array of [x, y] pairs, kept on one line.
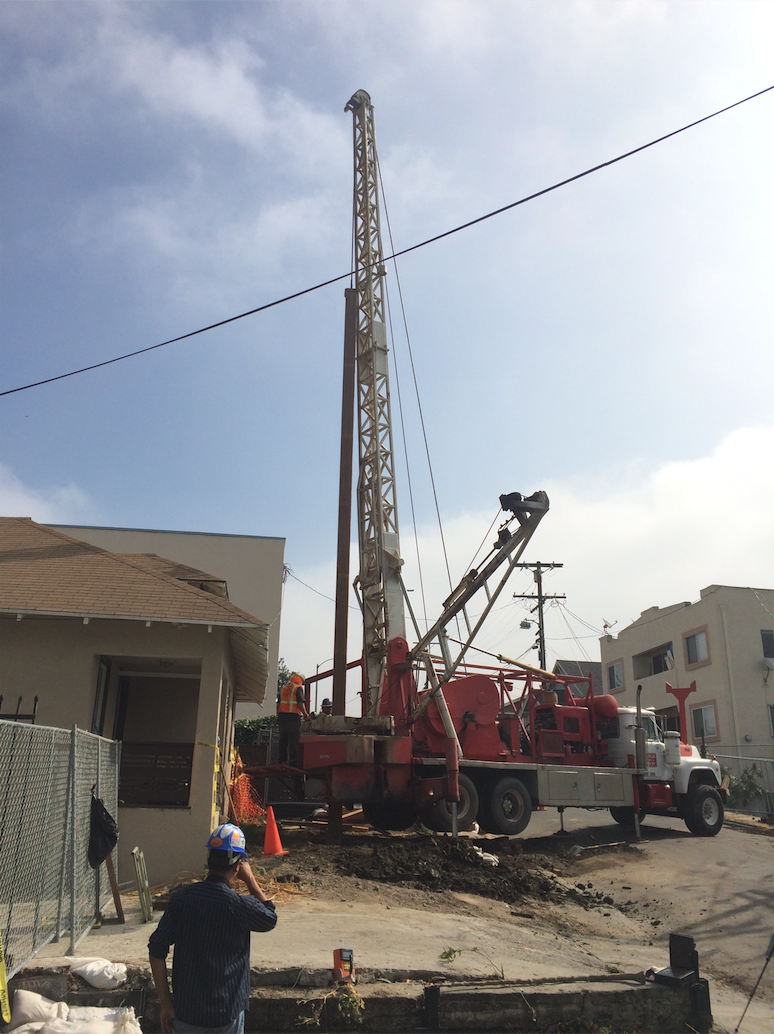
{"points": [[5, 1007]]}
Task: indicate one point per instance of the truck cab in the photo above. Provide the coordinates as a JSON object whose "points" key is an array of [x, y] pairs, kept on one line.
{"points": [[677, 780]]}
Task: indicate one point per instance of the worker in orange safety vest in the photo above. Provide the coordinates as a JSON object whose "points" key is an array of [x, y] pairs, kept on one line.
{"points": [[291, 708]]}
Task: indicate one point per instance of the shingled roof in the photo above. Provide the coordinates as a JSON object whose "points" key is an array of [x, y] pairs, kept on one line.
{"points": [[45, 572], [582, 669]]}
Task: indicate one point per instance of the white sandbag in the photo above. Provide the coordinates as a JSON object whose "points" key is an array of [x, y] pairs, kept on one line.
{"points": [[31, 1008], [93, 1026], [84, 1013], [127, 1022], [99, 972]]}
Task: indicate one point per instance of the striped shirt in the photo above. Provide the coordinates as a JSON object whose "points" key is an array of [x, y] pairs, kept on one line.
{"points": [[209, 925]]}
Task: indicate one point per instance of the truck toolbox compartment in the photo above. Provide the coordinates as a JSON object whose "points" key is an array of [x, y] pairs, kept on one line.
{"points": [[324, 751]]}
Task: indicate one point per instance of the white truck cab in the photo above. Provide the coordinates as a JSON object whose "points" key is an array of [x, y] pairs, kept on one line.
{"points": [[677, 780]]}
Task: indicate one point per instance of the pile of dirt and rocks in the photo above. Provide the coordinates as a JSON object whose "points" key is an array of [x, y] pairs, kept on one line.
{"points": [[434, 863], [409, 867]]}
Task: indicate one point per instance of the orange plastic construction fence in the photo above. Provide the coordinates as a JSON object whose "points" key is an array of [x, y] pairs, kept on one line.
{"points": [[248, 806]]}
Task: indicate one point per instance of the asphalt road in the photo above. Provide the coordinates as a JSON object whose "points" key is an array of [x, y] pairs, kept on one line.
{"points": [[719, 890]]}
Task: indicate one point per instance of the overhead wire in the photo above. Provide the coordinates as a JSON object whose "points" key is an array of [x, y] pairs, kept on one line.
{"points": [[408, 465], [571, 630], [419, 409], [394, 255], [416, 383], [288, 572], [592, 628]]}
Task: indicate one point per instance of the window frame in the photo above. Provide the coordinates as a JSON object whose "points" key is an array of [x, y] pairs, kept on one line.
{"points": [[692, 665], [767, 632], [613, 664], [700, 705]]}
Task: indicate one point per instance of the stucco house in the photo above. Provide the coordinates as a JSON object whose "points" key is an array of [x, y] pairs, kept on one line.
{"points": [[724, 642], [252, 566], [141, 649]]}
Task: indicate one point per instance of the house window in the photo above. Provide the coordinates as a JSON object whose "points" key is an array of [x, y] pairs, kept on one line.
{"points": [[767, 642], [614, 676], [771, 718], [704, 724], [696, 647]]}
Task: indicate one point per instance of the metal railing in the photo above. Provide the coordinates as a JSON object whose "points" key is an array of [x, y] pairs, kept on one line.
{"points": [[46, 885]]}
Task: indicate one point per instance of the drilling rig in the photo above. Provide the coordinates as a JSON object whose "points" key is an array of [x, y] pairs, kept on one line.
{"points": [[440, 736]]}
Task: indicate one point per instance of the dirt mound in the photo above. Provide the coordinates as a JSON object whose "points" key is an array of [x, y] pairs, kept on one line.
{"points": [[443, 864]]}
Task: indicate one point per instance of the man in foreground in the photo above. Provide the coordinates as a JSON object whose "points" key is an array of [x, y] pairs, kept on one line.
{"points": [[210, 926]]}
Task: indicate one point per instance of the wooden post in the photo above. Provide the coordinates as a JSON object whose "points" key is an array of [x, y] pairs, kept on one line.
{"points": [[114, 887]]}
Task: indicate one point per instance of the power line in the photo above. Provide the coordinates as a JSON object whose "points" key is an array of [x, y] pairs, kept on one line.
{"points": [[289, 572], [397, 254]]}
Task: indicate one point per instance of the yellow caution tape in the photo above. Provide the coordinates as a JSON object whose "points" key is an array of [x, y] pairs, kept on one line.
{"points": [[5, 1006]]}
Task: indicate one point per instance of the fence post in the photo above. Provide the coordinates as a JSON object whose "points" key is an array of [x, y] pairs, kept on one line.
{"points": [[98, 870], [73, 836], [63, 862], [44, 836]]}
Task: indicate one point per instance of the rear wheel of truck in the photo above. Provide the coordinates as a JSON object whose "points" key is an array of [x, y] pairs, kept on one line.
{"points": [[625, 816], [509, 807], [439, 813], [389, 815], [704, 811]]}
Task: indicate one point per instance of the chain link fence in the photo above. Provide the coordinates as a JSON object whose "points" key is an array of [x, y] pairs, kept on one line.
{"points": [[47, 887], [750, 770]]}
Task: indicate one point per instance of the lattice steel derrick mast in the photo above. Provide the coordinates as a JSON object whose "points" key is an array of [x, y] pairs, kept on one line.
{"points": [[378, 580]]}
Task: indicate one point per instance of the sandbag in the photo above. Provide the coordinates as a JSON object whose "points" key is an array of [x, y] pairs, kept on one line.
{"points": [[99, 972]]}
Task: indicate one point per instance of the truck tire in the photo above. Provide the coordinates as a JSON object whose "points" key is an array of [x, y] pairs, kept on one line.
{"points": [[439, 814], [509, 807], [389, 815], [625, 816], [704, 811]]}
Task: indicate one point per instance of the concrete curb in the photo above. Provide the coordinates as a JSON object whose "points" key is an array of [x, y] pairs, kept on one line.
{"points": [[395, 1001]]}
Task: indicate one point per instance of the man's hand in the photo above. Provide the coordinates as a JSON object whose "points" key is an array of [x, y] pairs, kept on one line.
{"points": [[167, 1014], [245, 873], [160, 979]]}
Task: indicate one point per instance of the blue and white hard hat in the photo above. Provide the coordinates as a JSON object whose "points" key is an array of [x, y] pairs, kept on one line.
{"points": [[230, 838]]}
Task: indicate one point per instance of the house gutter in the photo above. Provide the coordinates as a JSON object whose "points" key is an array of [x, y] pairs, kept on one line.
{"points": [[148, 618]]}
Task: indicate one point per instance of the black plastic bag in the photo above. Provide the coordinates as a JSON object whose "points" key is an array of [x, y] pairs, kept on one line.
{"points": [[103, 834]]}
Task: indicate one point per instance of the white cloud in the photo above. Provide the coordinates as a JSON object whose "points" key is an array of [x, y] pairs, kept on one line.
{"points": [[637, 540], [60, 505]]}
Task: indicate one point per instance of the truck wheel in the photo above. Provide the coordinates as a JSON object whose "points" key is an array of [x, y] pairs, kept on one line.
{"points": [[704, 811], [439, 815], [389, 815], [509, 808], [625, 816]]}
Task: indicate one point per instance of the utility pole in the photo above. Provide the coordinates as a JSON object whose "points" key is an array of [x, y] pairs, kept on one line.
{"points": [[538, 569]]}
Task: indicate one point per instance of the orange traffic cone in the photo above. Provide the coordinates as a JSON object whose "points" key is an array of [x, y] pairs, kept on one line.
{"points": [[272, 845]]}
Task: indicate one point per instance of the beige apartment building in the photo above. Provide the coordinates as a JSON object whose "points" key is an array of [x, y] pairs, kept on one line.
{"points": [[724, 643]]}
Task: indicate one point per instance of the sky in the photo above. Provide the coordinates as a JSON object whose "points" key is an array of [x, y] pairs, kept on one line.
{"points": [[168, 165]]}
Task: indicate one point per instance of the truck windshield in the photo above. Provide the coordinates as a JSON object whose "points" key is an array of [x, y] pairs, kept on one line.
{"points": [[651, 731]]}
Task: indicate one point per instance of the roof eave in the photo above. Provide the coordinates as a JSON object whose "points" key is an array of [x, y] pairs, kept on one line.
{"points": [[181, 620]]}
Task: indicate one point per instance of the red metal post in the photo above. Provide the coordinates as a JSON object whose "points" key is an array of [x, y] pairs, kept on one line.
{"points": [[681, 695]]}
